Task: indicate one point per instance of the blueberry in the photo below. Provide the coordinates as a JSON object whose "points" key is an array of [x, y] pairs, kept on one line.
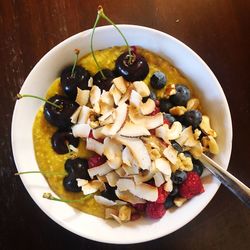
{"points": [[169, 202], [165, 105], [175, 191], [182, 95], [178, 176], [192, 118], [158, 80], [76, 168], [109, 193], [198, 167], [177, 146], [151, 96], [169, 117]]}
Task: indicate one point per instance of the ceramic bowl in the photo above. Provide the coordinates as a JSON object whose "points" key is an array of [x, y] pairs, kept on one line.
{"points": [[47, 70]]}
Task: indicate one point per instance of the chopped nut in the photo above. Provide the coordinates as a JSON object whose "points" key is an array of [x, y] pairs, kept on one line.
{"points": [[197, 134], [197, 150], [193, 104], [168, 186], [179, 201], [178, 110], [187, 163], [170, 90], [205, 126], [208, 142], [109, 212], [125, 213]]}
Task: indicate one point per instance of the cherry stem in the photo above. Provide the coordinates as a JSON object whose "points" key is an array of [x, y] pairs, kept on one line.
{"points": [[46, 173], [102, 14], [49, 196], [91, 46], [77, 51], [19, 96]]}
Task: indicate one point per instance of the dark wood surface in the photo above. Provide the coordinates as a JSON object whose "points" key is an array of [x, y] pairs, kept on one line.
{"points": [[218, 30]]}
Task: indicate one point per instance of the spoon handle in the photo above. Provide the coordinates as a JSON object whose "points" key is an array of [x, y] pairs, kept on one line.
{"points": [[227, 179]]}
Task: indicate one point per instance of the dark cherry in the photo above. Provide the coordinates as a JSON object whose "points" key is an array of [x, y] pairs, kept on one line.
{"points": [[104, 83], [109, 193], [76, 168], [59, 117], [61, 139], [136, 70], [70, 82]]}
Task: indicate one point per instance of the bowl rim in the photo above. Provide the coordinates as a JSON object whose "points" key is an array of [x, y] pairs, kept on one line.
{"points": [[99, 29]]}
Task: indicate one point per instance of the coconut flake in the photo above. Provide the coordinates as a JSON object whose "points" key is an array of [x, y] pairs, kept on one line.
{"points": [[82, 96], [120, 84], [112, 178], [171, 154], [148, 107], [94, 145], [133, 130], [159, 179], [135, 99], [81, 130], [104, 201], [128, 197], [142, 88], [75, 115], [84, 114], [163, 166], [99, 170]]}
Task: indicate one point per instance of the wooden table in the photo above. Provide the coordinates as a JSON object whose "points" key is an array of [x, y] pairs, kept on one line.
{"points": [[218, 30]]}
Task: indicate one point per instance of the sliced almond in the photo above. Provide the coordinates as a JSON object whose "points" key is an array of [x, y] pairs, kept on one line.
{"points": [[82, 97], [81, 130], [148, 107], [133, 130], [121, 84], [137, 149], [94, 145], [142, 88], [100, 170]]}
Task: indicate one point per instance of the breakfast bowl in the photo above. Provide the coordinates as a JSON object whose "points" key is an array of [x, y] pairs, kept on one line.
{"points": [[206, 88]]}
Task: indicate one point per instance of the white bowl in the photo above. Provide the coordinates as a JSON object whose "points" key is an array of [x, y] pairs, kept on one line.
{"points": [[47, 70]]}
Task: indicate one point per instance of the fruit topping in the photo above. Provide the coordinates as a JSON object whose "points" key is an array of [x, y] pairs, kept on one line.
{"points": [[179, 177], [73, 77], [182, 95], [76, 168], [59, 116], [162, 195], [155, 210], [158, 80], [136, 70], [169, 202], [192, 118], [96, 160], [165, 105], [61, 140], [198, 167], [104, 83], [191, 186]]}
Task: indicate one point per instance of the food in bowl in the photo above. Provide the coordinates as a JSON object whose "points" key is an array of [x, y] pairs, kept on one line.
{"points": [[131, 141]]}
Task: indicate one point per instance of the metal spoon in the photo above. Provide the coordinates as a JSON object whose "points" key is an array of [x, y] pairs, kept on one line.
{"points": [[228, 180]]}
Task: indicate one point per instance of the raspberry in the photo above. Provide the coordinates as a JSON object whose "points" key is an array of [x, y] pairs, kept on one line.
{"points": [[155, 210], [140, 207], [191, 186], [152, 131], [96, 160], [135, 216], [166, 121], [92, 137], [156, 111], [157, 103], [162, 195]]}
